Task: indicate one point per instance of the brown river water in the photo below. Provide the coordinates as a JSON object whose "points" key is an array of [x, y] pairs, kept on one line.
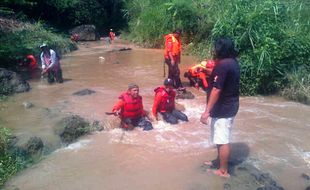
{"points": [[271, 133]]}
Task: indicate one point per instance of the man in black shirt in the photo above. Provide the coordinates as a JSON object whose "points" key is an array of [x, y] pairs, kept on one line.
{"points": [[223, 101]]}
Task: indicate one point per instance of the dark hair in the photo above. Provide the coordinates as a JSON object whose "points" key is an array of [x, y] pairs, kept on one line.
{"points": [[177, 31], [224, 48]]}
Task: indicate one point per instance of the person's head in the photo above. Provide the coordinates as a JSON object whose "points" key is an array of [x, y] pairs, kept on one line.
{"points": [[168, 84], [111, 29], [133, 90], [44, 47], [177, 33], [224, 48]]}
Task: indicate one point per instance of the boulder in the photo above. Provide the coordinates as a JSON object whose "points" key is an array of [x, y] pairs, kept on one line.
{"points": [[85, 32], [11, 82], [28, 146], [72, 127]]}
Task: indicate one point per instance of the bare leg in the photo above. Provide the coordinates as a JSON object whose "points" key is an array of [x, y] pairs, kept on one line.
{"points": [[224, 152]]}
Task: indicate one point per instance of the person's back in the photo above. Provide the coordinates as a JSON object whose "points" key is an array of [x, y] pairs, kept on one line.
{"points": [[228, 102]]}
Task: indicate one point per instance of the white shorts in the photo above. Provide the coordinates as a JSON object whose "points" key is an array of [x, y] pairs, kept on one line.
{"points": [[221, 130]]}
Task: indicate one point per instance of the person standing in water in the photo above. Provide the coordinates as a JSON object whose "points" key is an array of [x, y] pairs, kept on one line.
{"points": [[130, 109], [172, 55], [50, 64], [111, 36], [164, 103], [222, 101]]}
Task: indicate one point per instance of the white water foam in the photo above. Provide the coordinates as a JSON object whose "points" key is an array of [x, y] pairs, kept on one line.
{"points": [[75, 146]]}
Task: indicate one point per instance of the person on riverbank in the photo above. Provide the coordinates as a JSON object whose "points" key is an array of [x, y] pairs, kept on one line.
{"points": [[223, 101], [130, 109], [164, 103], [111, 36], [172, 56], [198, 74], [50, 64]]}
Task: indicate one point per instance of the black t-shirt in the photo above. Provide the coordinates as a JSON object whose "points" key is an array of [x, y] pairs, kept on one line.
{"points": [[225, 76]]}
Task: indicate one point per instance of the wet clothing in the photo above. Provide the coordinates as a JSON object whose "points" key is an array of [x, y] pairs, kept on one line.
{"points": [[173, 46], [164, 103], [137, 122], [50, 61], [225, 76], [132, 112], [174, 116]]}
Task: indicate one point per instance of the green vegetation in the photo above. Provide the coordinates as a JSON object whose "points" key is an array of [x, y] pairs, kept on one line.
{"points": [[16, 45], [9, 164], [66, 14], [271, 36]]}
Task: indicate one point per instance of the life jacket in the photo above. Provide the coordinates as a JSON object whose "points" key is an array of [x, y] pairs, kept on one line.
{"points": [[167, 102], [176, 45], [201, 67], [133, 107], [32, 62]]}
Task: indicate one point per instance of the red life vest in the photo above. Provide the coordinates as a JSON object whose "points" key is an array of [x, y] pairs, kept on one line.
{"points": [[167, 102], [32, 62], [133, 107]]}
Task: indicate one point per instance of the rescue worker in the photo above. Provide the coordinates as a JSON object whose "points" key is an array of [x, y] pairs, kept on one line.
{"points": [[111, 35], [50, 64], [172, 57], [130, 109], [198, 74], [164, 103]]}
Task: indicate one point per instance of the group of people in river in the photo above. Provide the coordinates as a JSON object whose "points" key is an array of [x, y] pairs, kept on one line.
{"points": [[220, 78]]}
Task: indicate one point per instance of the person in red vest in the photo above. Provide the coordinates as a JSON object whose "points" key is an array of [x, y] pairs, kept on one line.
{"points": [[172, 57], [198, 74], [164, 103], [111, 35], [130, 109]]}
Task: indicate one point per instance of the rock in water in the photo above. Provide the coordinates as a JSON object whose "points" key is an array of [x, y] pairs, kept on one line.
{"points": [[185, 95], [27, 105], [11, 83], [84, 92]]}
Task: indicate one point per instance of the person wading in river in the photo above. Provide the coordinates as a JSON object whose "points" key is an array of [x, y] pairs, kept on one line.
{"points": [[222, 102], [50, 64], [130, 109], [172, 57], [164, 103]]}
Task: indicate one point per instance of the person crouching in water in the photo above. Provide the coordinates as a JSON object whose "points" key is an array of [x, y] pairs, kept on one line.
{"points": [[198, 74], [164, 103], [50, 64], [130, 109]]}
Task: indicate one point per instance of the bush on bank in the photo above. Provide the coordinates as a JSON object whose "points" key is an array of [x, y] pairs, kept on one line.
{"points": [[14, 46], [9, 164], [271, 36]]}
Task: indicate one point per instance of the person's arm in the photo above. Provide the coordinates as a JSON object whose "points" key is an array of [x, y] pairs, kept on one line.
{"points": [[118, 107], [157, 101], [213, 98], [170, 48]]}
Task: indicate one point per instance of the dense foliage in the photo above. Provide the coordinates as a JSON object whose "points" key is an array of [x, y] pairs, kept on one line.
{"points": [[271, 35], [9, 164], [65, 14], [16, 45]]}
